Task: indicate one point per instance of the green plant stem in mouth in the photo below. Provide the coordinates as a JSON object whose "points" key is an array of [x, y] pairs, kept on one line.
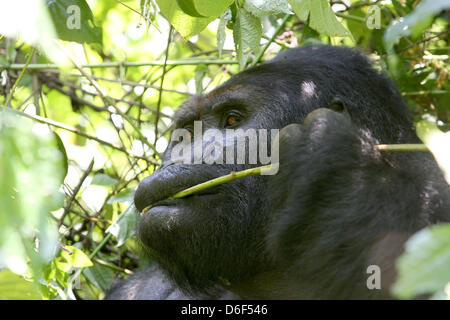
{"points": [[215, 182], [258, 170]]}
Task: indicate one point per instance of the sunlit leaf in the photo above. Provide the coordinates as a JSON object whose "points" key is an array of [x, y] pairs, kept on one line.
{"points": [[185, 24], [261, 8], [200, 72], [321, 17], [438, 142], [102, 179], [424, 267], [247, 32], [126, 195], [225, 18], [31, 171], [415, 22], [100, 275], [125, 226], [204, 8], [74, 21], [76, 257], [14, 287]]}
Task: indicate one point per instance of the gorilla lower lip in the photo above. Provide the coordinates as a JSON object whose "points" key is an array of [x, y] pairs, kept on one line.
{"points": [[173, 202]]}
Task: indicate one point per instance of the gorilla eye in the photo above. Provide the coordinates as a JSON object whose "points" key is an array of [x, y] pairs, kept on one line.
{"points": [[231, 120]]}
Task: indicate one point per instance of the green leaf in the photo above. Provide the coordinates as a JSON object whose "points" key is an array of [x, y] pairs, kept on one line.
{"points": [[74, 21], [102, 277], [31, 171], [102, 179], [62, 150], [15, 287], [438, 142], [321, 17], [247, 32], [204, 8], [125, 226], [200, 72], [261, 8], [415, 22], [76, 257], [424, 267], [185, 24], [225, 18], [126, 195]]}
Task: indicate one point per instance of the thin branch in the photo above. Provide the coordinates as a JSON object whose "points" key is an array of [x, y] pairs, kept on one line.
{"points": [[185, 62], [81, 133], [425, 92], [413, 147], [75, 192], [261, 53], [158, 106], [145, 18], [8, 101]]}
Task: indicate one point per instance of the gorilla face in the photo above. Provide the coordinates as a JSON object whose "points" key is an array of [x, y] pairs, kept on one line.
{"points": [[219, 235], [209, 235]]}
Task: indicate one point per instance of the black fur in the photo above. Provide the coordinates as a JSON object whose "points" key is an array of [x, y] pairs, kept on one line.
{"points": [[336, 206]]}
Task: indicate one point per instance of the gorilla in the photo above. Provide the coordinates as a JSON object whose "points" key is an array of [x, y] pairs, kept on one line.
{"points": [[336, 207]]}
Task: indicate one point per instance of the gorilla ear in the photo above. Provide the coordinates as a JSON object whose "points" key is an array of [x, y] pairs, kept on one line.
{"points": [[338, 105]]}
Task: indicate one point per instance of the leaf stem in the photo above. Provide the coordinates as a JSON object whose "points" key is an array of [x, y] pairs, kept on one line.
{"points": [[20, 76]]}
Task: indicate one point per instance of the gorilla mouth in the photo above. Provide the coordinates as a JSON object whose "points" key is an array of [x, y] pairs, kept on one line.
{"points": [[155, 190], [176, 202]]}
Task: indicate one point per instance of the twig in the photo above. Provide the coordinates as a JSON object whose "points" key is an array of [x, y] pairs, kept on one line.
{"points": [[31, 66], [158, 106], [75, 192], [413, 147], [106, 100], [145, 18], [81, 133], [261, 53], [8, 101], [425, 92]]}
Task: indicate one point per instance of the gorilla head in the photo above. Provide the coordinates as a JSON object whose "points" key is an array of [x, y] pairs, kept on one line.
{"points": [[240, 235]]}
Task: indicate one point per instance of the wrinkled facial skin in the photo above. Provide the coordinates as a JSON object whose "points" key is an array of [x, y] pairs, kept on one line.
{"points": [[206, 237]]}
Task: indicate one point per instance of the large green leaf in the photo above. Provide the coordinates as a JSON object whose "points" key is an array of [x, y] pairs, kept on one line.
{"points": [[321, 17], [100, 275], [414, 23], [14, 287], [31, 172], [185, 24], [204, 8], [74, 21], [102, 179], [75, 257], [225, 18], [261, 8], [438, 142], [247, 32], [425, 265]]}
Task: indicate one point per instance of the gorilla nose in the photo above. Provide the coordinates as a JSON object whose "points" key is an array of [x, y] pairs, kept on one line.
{"points": [[171, 179]]}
